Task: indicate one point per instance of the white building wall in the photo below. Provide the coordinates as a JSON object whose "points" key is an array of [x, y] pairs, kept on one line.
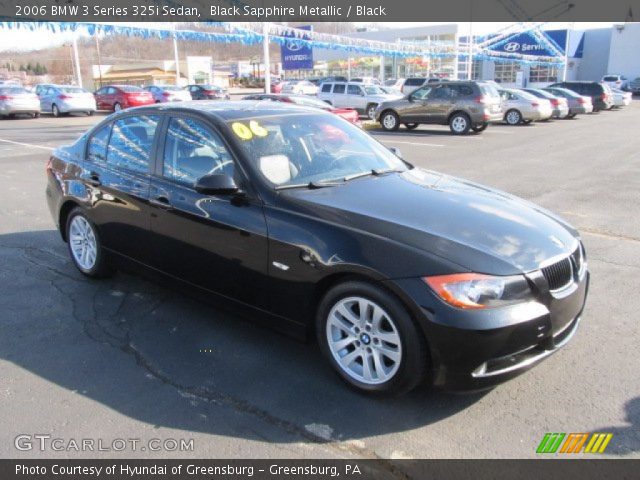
{"points": [[595, 59], [624, 54]]}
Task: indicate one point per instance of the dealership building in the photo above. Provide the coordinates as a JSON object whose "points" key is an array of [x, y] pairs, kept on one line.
{"points": [[592, 54]]}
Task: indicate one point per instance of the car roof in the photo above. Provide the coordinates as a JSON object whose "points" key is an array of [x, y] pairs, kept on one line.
{"points": [[229, 110]]}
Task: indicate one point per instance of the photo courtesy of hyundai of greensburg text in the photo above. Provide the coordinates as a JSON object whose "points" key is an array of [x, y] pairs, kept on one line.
{"points": [[316, 239]]}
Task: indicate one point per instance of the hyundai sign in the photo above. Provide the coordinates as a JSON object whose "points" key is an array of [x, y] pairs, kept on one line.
{"points": [[295, 54], [526, 44]]}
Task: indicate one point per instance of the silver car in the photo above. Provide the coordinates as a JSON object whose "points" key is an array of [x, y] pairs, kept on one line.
{"points": [[14, 100], [363, 98], [168, 93], [522, 107], [620, 98], [578, 104], [63, 99], [558, 104]]}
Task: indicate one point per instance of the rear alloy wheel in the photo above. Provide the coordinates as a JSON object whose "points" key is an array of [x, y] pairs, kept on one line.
{"points": [[479, 128], [411, 126], [460, 124], [513, 117], [370, 340], [371, 111], [117, 107], [84, 245], [390, 121], [55, 111]]}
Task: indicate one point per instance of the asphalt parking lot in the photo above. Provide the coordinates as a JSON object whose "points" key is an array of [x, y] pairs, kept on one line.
{"points": [[127, 358]]}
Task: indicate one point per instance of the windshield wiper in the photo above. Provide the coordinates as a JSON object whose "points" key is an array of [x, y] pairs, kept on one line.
{"points": [[311, 185], [376, 172]]}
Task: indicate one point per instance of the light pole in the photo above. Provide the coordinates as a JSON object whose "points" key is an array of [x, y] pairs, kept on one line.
{"points": [[267, 62]]}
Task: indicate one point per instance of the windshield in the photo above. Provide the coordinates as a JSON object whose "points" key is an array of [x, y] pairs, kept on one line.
{"points": [[300, 148], [373, 90]]}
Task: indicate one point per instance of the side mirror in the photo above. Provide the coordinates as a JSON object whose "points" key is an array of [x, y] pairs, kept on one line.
{"points": [[216, 184], [396, 151]]}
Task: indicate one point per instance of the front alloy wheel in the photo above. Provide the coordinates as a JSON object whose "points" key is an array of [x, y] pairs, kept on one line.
{"points": [[117, 107], [55, 111], [364, 340], [370, 340], [389, 121]]}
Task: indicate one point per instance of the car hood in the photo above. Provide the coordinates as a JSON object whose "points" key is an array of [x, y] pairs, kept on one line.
{"points": [[387, 97], [478, 228]]}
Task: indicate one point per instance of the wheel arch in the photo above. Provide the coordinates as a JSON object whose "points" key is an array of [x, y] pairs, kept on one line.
{"points": [[455, 112], [65, 209]]}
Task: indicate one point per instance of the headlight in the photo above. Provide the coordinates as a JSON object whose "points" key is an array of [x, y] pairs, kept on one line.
{"points": [[476, 291]]}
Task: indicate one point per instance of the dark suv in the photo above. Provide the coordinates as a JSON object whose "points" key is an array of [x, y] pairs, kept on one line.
{"points": [[599, 93], [463, 106]]}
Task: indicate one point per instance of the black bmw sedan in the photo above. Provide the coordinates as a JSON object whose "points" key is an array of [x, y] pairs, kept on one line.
{"points": [[403, 275]]}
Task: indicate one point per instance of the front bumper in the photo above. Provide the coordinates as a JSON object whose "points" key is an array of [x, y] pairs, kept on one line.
{"points": [[478, 349]]}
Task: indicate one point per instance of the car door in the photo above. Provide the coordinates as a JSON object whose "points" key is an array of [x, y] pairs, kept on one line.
{"points": [[338, 95], [216, 242], [355, 98], [415, 109], [438, 103], [46, 96], [116, 172], [99, 96]]}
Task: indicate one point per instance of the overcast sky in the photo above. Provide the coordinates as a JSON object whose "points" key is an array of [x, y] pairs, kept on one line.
{"points": [[27, 40]]}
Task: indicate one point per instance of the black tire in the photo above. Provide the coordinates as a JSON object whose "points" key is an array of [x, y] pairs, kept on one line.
{"points": [[101, 267], [392, 122], [526, 122], [414, 361], [460, 123], [513, 117], [36, 114], [411, 126], [90, 113], [370, 111], [117, 107], [571, 116], [55, 111], [480, 128]]}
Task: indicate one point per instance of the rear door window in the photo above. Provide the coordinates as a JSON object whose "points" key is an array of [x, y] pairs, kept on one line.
{"points": [[414, 82], [339, 88], [353, 90], [131, 141]]}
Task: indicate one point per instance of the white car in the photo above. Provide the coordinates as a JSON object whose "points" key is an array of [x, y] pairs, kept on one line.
{"points": [[616, 81], [300, 87], [522, 107], [363, 98], [620, 98]]}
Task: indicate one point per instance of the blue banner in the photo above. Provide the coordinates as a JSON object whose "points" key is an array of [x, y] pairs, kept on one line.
{"points": [[526, 44], [297, 55]]}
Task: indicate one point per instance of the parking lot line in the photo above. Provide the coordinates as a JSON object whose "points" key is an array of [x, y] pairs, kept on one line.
{"points": [[415, 143], [27, 144]]}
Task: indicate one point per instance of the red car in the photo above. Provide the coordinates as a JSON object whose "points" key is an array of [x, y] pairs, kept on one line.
{"points": [[348, 114], [117, 97]]}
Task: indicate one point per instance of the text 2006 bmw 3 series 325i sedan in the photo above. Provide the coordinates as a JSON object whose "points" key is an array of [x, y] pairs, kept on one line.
{"points": [[403, 275]]}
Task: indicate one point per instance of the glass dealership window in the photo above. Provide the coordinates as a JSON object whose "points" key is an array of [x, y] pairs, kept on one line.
{"points": [[543, 73], [505, 72]]}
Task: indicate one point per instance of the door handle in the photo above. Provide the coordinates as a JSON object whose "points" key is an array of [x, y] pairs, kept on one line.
{"points": [[161, 202], [93, 179]]}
